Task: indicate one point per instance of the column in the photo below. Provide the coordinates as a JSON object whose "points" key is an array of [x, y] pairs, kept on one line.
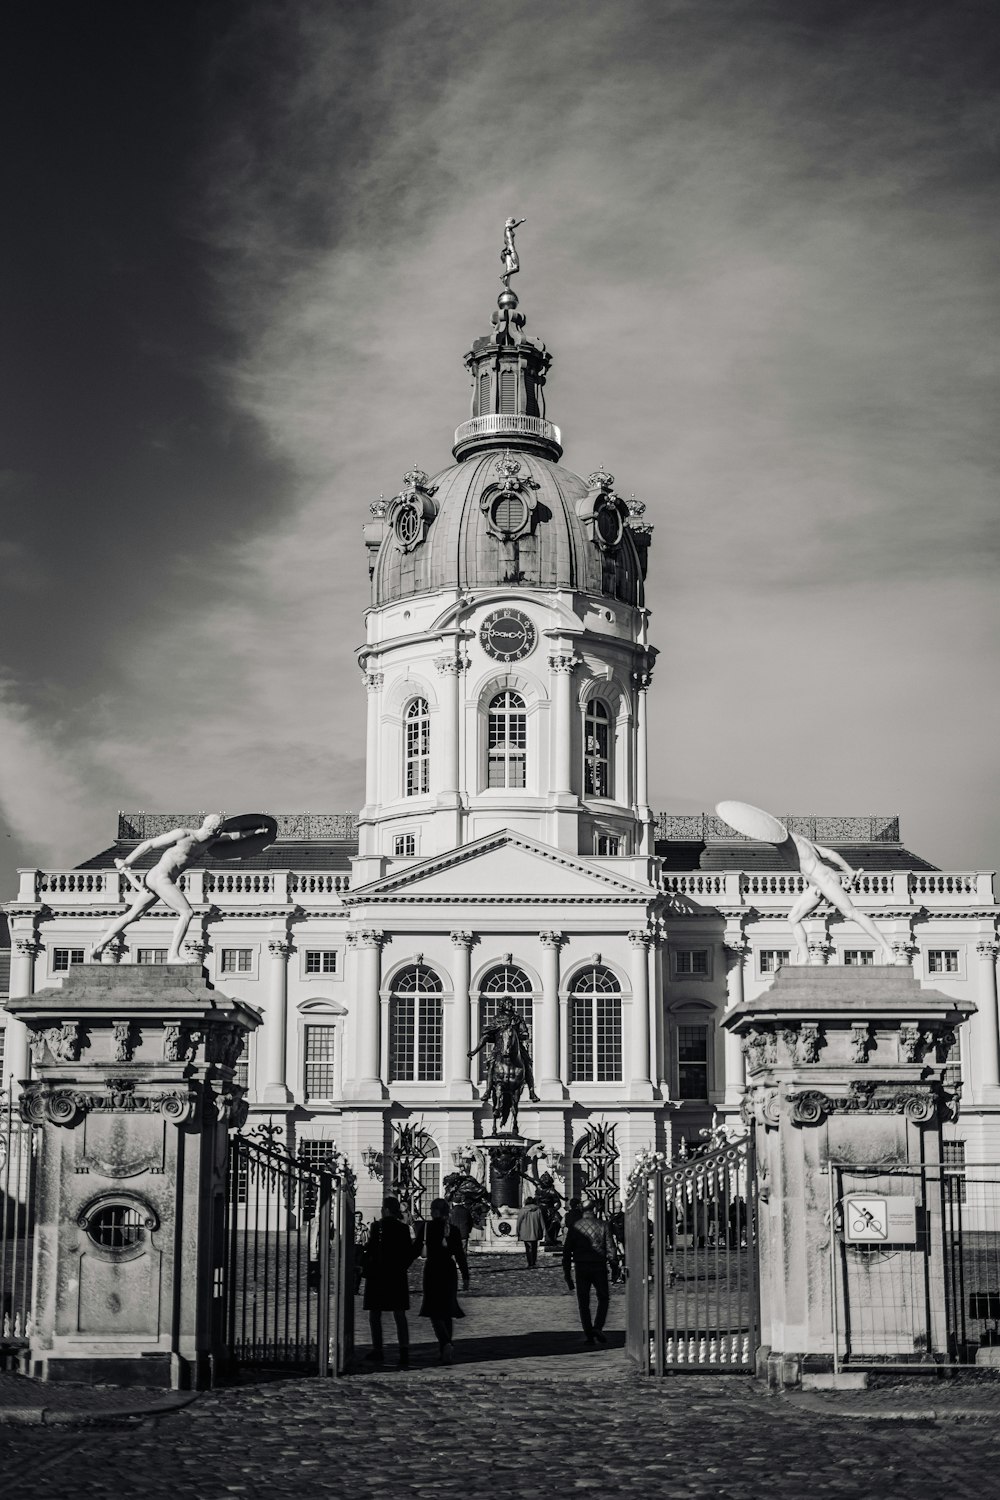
{"points": [[24, 951], [984, 1024], [736, 949], [547, 1063], [461, 1018], [368, 946], [640, 1085], [276, 1089], [373, 682], [642, 680], [561, 666], [448, 669]]}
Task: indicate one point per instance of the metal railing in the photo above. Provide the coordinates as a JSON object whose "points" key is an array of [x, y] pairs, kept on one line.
{"points": [[19, 1146], [691, 1299]]}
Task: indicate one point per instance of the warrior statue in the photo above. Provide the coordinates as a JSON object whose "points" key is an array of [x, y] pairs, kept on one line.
{"points": [[509, 1067], [181, 847], [828, 875], [508, 255]]}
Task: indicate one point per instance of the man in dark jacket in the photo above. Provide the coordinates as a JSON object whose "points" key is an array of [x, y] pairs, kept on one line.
{"points": [[588, 1249], [390, 1252]]}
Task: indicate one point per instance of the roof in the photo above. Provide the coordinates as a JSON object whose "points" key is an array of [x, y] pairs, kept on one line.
{"points": [[690, 855], [285, 854], [460, 551]]}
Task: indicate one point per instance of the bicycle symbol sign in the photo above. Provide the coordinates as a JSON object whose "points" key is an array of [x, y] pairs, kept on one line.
{"points": [[866, 1219]]}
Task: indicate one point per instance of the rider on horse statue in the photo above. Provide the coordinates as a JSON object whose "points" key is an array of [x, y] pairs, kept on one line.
{"points": [[509, 1067]]}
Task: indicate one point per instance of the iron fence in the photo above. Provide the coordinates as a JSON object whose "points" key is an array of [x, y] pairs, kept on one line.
{"points": [[288, 1274], [915, 1264], [18, 1168], [691, 1299]]}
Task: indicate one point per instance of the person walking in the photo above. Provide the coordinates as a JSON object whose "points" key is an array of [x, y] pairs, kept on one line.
{"points": [[445, 1257], [390, 1252], [588, 1250], [530, 1229]]}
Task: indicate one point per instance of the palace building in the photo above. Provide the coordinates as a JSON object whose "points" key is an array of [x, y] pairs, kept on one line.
{"points": [[507, 848]]}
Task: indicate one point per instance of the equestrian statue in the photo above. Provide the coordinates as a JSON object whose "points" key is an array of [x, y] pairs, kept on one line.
{"points": [[508, 1070]]}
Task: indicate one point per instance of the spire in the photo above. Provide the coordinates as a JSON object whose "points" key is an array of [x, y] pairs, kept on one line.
{"points": [[508, 371]]}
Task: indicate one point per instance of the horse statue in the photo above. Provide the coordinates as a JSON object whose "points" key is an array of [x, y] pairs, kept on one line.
{"points": [[509, 1068]]}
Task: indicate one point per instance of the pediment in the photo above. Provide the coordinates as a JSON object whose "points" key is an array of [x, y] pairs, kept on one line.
{"points": [[500, 867]]}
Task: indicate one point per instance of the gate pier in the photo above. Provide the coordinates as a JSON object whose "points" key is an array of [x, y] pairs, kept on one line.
{"points": [[846, 1066], [133, 1096]]}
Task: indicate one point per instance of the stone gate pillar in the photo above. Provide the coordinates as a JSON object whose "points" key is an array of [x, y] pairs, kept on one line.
{"points": [[134, 1095], [844, 1064]]}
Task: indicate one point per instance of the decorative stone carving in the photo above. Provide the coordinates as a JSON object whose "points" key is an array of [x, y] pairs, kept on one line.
{"points": [[563, 662], [280, 947], [29, 947], [759, 1049], [810, 1106], [988, 949], [64, 1043], [762, 1106], [803, 1042], [819, 950], [449, 666], [224, 1044], [643, 679], [40, 1102], [178, 1042], [462, 939], [551, 939], [904, 952], [860, 1042], [125, 1039], [367, 937], [641, 937], [913, 1043], [374, 681], [735, 951]]}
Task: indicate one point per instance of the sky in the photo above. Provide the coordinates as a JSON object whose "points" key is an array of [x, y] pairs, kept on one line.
{"points": [[247, 247]]}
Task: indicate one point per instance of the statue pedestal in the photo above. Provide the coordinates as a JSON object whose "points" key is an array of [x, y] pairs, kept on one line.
{"points": [[844, 1066], [506, 1157], [133, 1093]]}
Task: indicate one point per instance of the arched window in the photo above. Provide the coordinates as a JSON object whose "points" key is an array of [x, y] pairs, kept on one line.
{"points": [[595, 1027], [418, 748], [428, 1173], [597, 781], [505, 982], [416, 1051], [507, 748]]}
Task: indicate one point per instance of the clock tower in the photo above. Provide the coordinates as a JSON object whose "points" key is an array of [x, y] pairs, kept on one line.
{"points": [[506, 660]]}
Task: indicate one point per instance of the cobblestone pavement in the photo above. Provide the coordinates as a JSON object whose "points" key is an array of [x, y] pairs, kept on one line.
{"points": [[525, 1408]]}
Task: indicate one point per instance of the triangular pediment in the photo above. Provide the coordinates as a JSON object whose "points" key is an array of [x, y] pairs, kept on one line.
{"points": [[503, 865]]}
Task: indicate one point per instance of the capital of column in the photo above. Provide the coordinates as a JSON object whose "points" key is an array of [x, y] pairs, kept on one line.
{"points": [[29, 947], [199, 948], [563, 661], [988, 949], [642, 937], [368, 937], [280, 947], [551, 939], [462, 939], [374, 681], [117, 948], [450, 666], [819, 951], [905, 951], [735, 950], [643, 680]]}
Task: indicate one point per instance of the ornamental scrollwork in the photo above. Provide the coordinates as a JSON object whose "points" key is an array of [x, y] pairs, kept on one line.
{"points": [[63, 1043]]}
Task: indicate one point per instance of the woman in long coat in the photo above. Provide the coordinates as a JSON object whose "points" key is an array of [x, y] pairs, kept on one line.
{"points": [[445, 1258], [389, 1254]]}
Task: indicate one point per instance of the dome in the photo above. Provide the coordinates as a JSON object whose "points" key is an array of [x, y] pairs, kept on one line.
{"points": [[513, 518]]}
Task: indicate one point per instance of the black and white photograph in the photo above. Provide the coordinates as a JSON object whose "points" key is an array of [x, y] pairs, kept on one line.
{"points": [[498, 732]]}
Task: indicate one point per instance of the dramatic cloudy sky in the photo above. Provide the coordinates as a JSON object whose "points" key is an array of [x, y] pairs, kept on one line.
{"points": [[246, 247]]}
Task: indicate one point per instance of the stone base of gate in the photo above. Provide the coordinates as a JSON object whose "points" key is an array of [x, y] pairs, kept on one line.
{"points": [[844, 1065], [133, 1094]]}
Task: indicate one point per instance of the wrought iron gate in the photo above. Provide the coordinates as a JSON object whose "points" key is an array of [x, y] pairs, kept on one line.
{"points": [[18, 1164], [288, 1273], [691, 1296]]}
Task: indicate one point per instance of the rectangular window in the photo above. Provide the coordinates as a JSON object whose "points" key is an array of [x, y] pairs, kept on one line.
{"points": [[4, 971], [609, 1038], [404, 843], [241, 1073], [151, 955], [321, 960], [319, 1058], [954, 1170], [316, 1152], [942, 961], [237, 960], [402, 1030], [606, 843], [692, 1062], [771, 959], [581, 1062], [691, 961], [860, 956], [65, 958], [430, 1039]]}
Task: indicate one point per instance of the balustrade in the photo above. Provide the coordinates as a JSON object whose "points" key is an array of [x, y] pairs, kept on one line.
{"points": [[316, 883]]}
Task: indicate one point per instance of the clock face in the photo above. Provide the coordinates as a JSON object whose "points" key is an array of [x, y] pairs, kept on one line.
{"points": [[507, 635]]}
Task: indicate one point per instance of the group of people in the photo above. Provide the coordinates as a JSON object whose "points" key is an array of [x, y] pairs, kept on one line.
{"points": [[386, 1251]]}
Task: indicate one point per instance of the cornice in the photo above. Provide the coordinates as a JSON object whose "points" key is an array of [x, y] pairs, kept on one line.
{"points": [[460, 899]]}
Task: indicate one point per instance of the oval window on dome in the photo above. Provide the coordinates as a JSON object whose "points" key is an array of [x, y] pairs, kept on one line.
{"points": [[609, 525], [509, 515], [407, 525]]}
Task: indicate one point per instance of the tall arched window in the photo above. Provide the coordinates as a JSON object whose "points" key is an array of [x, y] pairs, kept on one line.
{"points": [[507, 745], [416, 1051], [597, 764], [595, 1027], [505, 982], [418, 748]]}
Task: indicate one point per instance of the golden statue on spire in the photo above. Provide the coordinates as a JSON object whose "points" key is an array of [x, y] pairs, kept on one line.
{"points": [[508, 255]]}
